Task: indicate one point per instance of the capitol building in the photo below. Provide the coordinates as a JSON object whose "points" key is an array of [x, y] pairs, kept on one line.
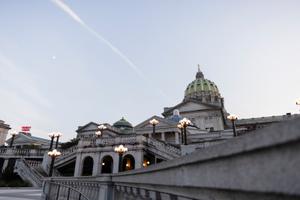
{"points": [[198, 122]]}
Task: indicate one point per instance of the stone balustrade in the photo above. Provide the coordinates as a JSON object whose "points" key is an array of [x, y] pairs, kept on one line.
{"points": [[20, 153], [27, 172], [262, 165]]}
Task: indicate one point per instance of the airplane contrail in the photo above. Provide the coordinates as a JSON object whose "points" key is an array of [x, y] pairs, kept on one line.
{"points": [[63, 6]]}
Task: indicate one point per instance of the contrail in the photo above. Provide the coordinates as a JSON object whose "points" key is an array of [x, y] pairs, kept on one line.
{"points": [[75, 17]]}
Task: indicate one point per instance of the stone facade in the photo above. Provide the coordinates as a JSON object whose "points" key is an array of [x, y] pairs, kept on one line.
{"points": [[3, 132]]}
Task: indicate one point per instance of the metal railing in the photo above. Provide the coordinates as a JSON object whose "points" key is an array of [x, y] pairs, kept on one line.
{"points": [[57, 191]]}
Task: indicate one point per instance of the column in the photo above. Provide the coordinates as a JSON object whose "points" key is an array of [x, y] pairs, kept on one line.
{"points": [[116, 163], [78, 165], [5, 164], [139, 158], [97, 164], [163, 137], [176, 138]]}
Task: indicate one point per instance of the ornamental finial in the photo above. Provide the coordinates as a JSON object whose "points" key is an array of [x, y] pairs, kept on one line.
{"points": [[199, 74]]}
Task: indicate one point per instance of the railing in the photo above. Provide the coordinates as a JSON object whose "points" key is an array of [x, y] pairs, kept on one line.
{"points": [[34, 163], [162, 145], [56, 191], [29, 173], [67, 153], [129, 140], [11, 152]]}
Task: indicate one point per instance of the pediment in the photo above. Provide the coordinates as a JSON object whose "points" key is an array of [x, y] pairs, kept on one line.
{"points": [[190, 106], [92, 126], [163, 123]]}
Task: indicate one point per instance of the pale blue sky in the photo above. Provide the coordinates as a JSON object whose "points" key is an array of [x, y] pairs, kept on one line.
{"points": [[250, 49]]}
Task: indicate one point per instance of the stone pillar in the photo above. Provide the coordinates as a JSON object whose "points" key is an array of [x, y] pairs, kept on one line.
{"points": [[163, 136], [5, 164], [116, 163], [97, 164], [78, 165], [139, 158], [176, 138]]}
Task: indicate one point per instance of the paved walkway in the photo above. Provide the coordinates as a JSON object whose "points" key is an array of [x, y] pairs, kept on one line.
{"points": [[20, 194]]}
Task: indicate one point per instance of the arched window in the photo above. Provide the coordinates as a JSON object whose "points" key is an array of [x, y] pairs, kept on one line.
{"points": [[128, 163], [107, 165], [87, 168]]}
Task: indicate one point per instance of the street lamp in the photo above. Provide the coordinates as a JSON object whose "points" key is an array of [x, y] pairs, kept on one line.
{"points": [[52, 136], [13, 135], [181, 131], [57, 135], [185, 122], [154, 122], [102, 127], [53, 154], [233, 118], [120, 150]]}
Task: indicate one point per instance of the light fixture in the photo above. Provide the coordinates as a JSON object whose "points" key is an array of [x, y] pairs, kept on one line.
{"points": [[184, 123], [233, 118]]}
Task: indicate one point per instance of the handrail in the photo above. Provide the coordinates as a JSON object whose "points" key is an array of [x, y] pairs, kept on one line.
{"points": [[23, 167], [60, 191]]}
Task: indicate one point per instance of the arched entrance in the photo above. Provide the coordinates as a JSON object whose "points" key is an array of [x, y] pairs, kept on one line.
{"points": [[87, 168], [107, 165], [128, 163]]}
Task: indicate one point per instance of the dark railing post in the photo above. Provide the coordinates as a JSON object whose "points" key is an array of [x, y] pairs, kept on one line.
{"points": [[185, 138], [120, 162], [79, 196], [234, 128], [51, 166], [181, 131], [12, 141], [68, 197], [58, 190]]}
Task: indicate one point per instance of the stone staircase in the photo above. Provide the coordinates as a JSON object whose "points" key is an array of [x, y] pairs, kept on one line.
{"points": [[66, 157], [28, 171]]}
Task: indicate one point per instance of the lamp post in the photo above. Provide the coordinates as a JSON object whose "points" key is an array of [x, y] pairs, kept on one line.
{"points": [[181, 131], [233, 118], [120, 150], [102, 127], [184, 123], [53, 154], [52, 136], [153, 122], [57, 135], [13, 135]]}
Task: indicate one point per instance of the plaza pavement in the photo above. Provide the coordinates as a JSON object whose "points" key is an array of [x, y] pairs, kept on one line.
{"points": [[20, 193]]}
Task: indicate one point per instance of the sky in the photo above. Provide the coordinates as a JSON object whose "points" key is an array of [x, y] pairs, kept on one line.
{"points": [[66, 63]]}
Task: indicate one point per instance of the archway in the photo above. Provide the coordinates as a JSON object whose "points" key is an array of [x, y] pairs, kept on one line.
{"points": [[128, 163], [87, 168], [107, 165]]}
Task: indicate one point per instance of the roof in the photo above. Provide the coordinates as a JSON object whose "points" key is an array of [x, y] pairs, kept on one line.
{"points": [[269, 119], [170, 109]]}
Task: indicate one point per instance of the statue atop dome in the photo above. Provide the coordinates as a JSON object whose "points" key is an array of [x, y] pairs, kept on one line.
{"points": [[199, 74]]}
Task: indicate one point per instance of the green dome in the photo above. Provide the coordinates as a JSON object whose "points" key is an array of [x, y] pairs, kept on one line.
{"points": [[201, 85], [202, 89], [123, 124]]}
